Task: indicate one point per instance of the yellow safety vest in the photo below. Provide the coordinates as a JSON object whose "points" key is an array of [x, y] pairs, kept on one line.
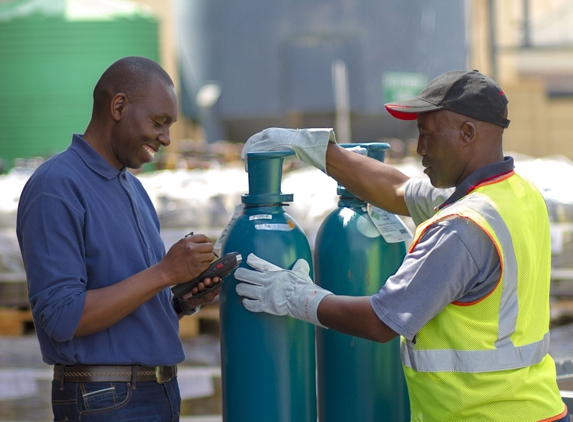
{"points": [[487, 360]]}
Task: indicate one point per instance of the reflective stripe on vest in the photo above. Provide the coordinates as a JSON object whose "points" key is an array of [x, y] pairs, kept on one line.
{"points": [[505, 355]]}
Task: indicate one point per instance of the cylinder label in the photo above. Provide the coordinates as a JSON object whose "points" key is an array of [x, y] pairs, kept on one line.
{"points": [[261, 217], [276, 227], [390, 226]]}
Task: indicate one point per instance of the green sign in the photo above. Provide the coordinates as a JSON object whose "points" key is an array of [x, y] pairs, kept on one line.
{"points": [[397, 86]]}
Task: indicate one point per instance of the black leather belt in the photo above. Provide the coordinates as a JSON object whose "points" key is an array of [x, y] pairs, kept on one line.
{"points": [[112, 373]]}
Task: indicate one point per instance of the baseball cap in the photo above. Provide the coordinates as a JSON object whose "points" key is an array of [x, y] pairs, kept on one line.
{"points": [[464, 92]]}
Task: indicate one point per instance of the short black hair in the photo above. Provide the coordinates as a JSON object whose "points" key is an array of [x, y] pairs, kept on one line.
{"points": [[130, 75]]}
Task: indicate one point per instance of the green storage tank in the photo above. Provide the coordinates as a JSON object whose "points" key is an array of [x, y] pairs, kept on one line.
{"points": [[52, 52]]}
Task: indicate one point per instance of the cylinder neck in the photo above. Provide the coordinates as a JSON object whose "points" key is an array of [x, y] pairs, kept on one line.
{"points": [[265, 177], [347, 202], [264, 209], [376, 150]]}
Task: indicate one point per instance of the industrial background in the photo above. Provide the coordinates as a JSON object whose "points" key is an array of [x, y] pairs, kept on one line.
{"points": [[244, 65], [240, 66]]}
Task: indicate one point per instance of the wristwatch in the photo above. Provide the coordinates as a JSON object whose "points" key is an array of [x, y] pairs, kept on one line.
{"points": [[180, 310]]}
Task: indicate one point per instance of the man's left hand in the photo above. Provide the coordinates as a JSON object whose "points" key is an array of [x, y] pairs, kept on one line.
{"points": [[189, 302], [276, 291]]}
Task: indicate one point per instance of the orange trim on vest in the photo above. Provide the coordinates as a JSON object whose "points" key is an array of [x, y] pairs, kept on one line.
{"points": [[457, 303], [493, 180], [557, 417]]}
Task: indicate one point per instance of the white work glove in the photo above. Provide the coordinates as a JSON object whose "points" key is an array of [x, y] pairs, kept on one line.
{"points": [[309, 145], [276, 291]]}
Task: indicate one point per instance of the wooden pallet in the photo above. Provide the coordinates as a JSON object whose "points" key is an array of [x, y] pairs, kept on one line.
{"points": [[15, 321], [190, 326]]}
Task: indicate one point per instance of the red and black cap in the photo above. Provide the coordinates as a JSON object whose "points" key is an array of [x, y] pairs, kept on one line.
{"points": [[464, 92]]}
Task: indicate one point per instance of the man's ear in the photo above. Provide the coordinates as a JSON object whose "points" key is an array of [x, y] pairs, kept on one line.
{"points": [[118, 103], [469, 133]]}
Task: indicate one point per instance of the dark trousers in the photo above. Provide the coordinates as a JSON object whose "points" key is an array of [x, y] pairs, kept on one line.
{"points": [[116, 401]]}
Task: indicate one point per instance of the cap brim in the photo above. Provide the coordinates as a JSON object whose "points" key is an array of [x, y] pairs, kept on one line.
{"points": [[409, 109]]}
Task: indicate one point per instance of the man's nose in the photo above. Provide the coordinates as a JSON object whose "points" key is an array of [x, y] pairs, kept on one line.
{"points": [[420, 148], [164, 137]]}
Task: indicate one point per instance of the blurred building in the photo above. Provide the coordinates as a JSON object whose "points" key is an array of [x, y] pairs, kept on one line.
{"points": [[527, 45], [242, 65], [246, 65]]}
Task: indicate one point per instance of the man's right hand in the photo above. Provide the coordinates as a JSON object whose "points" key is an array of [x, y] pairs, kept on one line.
{"points": [[188, 258], [308, 144]]}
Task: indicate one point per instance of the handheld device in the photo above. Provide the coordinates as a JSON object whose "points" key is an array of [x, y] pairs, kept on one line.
{"points": [[222, 267]]}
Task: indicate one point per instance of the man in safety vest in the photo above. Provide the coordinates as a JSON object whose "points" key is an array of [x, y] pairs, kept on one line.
{"points": [[471, 299]]}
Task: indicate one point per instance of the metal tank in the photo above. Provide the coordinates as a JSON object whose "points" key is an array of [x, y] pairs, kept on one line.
{"points": [[267, 361], [270, 64], [358, 379]]}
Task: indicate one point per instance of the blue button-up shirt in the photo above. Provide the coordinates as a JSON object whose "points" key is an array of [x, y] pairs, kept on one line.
{"points": [[82, 225]]}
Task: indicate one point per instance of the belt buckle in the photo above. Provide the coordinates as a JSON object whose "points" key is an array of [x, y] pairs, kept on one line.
{"points": [[158, 375]]}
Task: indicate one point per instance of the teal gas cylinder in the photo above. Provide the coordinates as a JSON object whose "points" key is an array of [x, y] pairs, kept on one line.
{"points": [[358, 379], [267, 362]]}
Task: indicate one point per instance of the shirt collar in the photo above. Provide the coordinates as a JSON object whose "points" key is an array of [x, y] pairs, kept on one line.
{"points": [[93, 159], [478, 177]]}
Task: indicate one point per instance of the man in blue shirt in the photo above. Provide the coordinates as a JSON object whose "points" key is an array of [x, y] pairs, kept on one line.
{"points": [[96, 266]]}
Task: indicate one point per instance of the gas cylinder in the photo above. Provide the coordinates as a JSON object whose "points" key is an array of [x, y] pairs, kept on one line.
{"points": [[358, 379], [267, 362]]}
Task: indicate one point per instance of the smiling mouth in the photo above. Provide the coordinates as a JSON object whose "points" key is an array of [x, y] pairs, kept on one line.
{"points": [[149, 150]]}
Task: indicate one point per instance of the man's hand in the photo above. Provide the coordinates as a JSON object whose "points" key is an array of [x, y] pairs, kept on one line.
{"points": [[308, 144], [276, 291], [187, 258], [189, 302]]}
